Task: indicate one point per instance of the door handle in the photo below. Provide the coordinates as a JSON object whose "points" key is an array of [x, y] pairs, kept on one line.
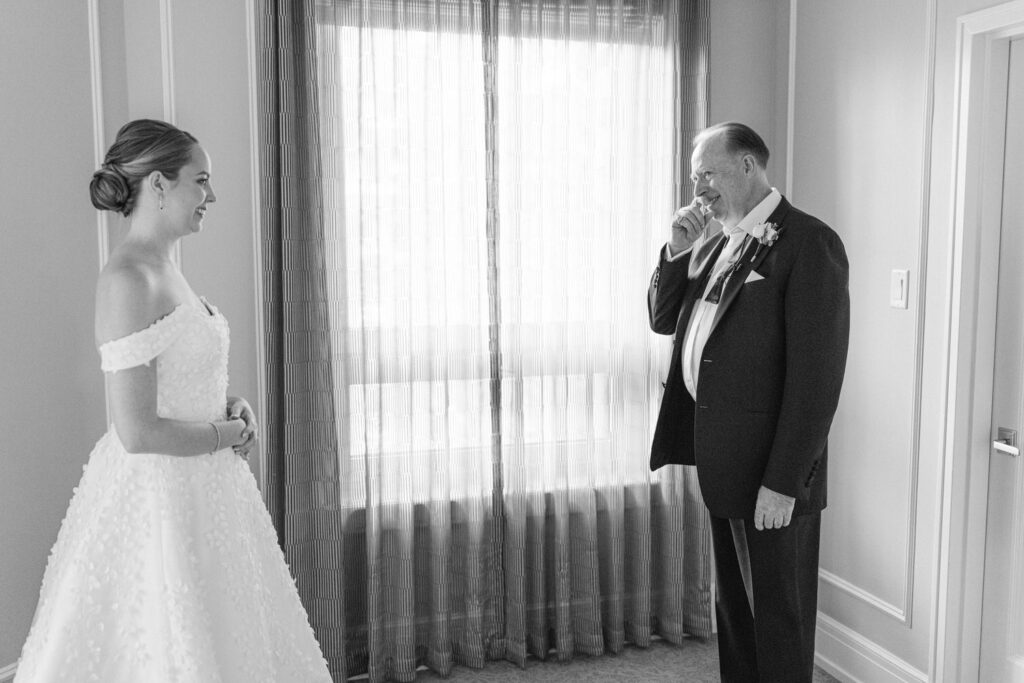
{"points": [[1006, 441]]}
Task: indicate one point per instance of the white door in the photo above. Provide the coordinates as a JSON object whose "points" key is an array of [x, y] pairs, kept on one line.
{"points": [[1002, 636]]}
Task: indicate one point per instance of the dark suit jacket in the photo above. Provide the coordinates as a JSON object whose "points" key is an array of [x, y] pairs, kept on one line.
{"points": [[771, 370]]}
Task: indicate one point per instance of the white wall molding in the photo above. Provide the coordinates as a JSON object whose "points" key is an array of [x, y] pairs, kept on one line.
{"points": [[167, 79], [979, 94], [852, 657], [791, 98], [98, 137], [894, 611], [921, 282], [167, 59], [901, 610], [99, 145]]}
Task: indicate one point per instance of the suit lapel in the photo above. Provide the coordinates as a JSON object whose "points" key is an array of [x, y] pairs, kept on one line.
{"points": [[752, 258], [778, 218]]}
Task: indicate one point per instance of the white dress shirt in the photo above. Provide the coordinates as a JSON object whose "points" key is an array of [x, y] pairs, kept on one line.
{"points": [[699, 326]]}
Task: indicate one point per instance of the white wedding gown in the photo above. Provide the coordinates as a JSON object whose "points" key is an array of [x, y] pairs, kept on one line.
{"points": [[167, 569]]}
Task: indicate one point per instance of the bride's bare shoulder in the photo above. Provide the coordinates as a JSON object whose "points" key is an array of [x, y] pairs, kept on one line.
{"points": [[130, 295]]}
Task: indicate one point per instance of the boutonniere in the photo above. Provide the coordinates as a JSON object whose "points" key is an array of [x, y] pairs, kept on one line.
{"points": [[765, 233]]}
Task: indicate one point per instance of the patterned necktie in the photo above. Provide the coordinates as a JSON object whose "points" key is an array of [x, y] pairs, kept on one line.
{"points": [[715, 295]]}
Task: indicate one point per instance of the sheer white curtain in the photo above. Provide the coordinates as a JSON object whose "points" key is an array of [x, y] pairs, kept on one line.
{"points": [[585, 147], [404, 112], [497, 176], [586, 152], [405, 116]]}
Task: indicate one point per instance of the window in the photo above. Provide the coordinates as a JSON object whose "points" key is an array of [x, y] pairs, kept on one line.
{"points": [[564, 151]]}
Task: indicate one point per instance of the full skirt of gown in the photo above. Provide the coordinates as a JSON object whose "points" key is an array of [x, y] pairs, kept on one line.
{"points": [[167, 569]]}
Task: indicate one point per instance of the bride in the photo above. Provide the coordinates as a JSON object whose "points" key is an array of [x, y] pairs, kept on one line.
{"points": [[166, 567]]}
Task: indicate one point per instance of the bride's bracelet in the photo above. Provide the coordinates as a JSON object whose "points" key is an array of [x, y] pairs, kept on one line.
{"points": [[217, 430]]}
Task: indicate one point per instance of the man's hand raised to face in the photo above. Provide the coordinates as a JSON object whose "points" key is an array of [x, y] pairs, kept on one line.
{"points": [[687, 225]]}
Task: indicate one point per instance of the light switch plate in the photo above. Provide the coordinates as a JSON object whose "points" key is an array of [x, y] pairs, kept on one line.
{"points": [[899, 283]]}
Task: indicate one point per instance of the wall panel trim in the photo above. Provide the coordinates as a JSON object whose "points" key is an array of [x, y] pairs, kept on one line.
{"points": [[99, 144], [866, 596], [167, 81], [921, 280], [863, 659], [98, 139], [903, 611], [791, 98], [167, 59]]}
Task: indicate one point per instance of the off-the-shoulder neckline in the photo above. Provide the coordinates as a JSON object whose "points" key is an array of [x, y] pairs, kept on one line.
{"points": [[200, 306]]}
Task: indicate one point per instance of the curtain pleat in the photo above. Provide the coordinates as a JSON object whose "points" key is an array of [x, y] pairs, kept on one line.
{"points": [[301, 442], [461, 203], [489, 55]]}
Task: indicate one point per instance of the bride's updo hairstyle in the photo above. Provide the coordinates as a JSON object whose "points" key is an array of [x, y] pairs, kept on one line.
{"points": [[141, 147]]}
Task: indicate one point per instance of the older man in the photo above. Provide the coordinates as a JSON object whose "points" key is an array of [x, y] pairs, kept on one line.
{"points": [[760, 312]]}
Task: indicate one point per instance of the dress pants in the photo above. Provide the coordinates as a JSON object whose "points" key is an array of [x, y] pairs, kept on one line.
{"points": [[767, 599]]}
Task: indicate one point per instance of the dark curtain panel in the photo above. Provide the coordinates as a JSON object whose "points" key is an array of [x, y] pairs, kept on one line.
{"points": [[301, 440], [678, 506], [693, 88]]}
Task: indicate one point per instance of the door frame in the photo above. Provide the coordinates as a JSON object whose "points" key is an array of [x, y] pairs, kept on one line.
{"points": [[982, 72]]}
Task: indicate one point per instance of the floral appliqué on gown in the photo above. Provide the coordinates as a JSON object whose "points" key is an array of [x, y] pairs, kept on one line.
{"points": [[167, 569]]}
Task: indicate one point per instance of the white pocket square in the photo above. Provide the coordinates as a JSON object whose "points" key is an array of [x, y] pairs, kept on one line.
{"points": [[754, 276]]}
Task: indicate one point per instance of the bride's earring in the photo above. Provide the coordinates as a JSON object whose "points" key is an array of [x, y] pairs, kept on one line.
{"points": [[161, 202]]}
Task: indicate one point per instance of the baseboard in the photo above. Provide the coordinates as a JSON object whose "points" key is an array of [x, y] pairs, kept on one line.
{"points": [[851, 657], [7, 673]]}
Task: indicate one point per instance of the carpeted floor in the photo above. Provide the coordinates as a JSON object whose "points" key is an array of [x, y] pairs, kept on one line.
{"points": [[663, 662]]}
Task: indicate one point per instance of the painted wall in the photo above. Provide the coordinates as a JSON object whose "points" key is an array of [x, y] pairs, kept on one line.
{"points": [[51, 389], [749, 65], [860, 122]]}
